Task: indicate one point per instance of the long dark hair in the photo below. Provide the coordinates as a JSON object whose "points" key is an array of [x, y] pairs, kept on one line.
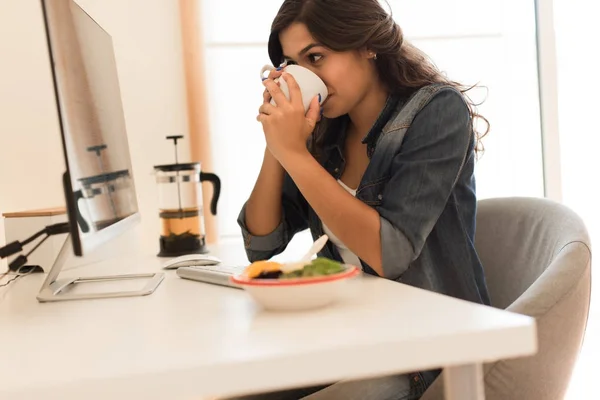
{"points": [[343, 25]]}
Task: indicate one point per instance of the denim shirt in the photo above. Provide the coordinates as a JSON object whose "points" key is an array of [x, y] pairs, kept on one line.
{"points": [[420, 179]]}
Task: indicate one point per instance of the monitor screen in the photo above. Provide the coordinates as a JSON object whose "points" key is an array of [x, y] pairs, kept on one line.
{"points": [[99, 181]]}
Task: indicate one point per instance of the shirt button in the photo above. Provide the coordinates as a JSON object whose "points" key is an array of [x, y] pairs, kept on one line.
{"points": [[380, 196], [336, 170]]}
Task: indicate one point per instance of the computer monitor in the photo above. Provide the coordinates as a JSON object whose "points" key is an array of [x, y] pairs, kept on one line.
{"points": [[98, 183]]}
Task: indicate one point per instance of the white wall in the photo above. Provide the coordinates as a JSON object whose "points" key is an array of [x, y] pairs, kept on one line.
{"points": [[147, 41], [31, 159]]}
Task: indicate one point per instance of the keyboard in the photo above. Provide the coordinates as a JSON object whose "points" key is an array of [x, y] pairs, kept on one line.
{"points": [[214, 274]]}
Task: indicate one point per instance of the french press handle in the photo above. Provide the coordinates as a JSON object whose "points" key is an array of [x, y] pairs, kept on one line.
{"points": [[216, 182]]}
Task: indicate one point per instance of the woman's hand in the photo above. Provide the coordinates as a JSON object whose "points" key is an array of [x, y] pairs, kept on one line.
{"points": [[285, 124]]}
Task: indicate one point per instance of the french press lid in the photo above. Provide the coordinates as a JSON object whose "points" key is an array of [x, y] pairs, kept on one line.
{"points": [[177, 167]]}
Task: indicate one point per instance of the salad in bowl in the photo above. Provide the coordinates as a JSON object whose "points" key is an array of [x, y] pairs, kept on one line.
{"points": [[296, 286]]}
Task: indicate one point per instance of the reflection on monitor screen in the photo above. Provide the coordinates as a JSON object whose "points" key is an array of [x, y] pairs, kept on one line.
{"points": [[93, 124]]}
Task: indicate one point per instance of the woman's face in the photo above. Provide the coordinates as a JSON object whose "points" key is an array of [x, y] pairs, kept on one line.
{"points": [[348, 75]]}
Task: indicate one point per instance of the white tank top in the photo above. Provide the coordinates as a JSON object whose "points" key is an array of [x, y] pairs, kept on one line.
{"points": [[348, 256]]}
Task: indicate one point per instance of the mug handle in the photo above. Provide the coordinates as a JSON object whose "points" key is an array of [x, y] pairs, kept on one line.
{"points": [[216, 182], [265, 69]]}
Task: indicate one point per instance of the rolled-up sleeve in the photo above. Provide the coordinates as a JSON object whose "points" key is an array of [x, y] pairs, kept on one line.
{"points": [[294, 219], [422, 176]]}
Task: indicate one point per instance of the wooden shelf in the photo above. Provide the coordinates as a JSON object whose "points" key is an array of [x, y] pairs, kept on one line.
{"points": [[45, 212]]}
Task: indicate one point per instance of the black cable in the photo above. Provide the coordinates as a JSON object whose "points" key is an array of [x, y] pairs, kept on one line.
{"points": [[20, 261], [57, 229], [12, 280], [37, 245], [32, 238], [17, 246]]}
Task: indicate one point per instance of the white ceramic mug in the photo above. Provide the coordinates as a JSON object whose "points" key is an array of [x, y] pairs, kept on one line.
{"points": [[310, 84]]}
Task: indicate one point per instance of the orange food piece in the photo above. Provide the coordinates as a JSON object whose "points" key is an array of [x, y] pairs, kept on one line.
{"points": [[257, 267]]}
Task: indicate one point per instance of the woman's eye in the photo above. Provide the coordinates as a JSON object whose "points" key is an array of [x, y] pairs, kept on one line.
{"points": [[314, 58]]}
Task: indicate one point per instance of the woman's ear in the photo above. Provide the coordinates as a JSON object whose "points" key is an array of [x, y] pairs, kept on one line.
{"points": [[368, 54]]}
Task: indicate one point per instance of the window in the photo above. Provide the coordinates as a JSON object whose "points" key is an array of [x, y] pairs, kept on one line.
{"points": [[491, 43]]}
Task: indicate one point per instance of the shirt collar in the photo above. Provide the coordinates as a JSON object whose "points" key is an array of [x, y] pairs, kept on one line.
{"points": [[388, 111]]}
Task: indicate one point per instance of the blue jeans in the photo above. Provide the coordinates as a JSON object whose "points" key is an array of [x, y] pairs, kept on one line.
{"points": [[395, 387]]}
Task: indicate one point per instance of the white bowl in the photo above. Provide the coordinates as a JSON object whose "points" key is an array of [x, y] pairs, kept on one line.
{"points": [[297, 293]]}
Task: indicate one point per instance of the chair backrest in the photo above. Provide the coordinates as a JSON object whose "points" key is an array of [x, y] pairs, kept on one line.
{"points": [[537, 259]]}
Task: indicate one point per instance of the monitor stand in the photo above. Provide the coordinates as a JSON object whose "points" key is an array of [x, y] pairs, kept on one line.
{"points": [[55, 289]]}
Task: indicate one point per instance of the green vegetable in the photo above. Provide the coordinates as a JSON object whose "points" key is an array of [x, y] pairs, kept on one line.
{"points": [[318, 267]]}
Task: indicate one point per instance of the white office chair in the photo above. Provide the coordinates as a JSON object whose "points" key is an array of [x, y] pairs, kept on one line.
{"points": [[537, 259]]}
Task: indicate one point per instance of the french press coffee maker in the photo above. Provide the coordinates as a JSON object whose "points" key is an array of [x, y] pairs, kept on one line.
{"points": [[181, 210]]}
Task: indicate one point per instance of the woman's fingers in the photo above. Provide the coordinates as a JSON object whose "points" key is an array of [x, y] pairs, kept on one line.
{"points": [[267, 109], [294, 89], [274, 74], [266, 97], [275, 92]]}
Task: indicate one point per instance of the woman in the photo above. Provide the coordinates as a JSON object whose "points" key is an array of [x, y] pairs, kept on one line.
{"points": [[388, 169]]}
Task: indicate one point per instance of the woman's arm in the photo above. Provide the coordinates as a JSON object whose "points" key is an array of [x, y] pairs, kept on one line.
{"points": [[273, 214], [263, 208], [275, 211], [352, 221]]}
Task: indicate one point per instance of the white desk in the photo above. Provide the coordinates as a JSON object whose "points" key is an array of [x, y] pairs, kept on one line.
{"points": [[189, 340]]}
